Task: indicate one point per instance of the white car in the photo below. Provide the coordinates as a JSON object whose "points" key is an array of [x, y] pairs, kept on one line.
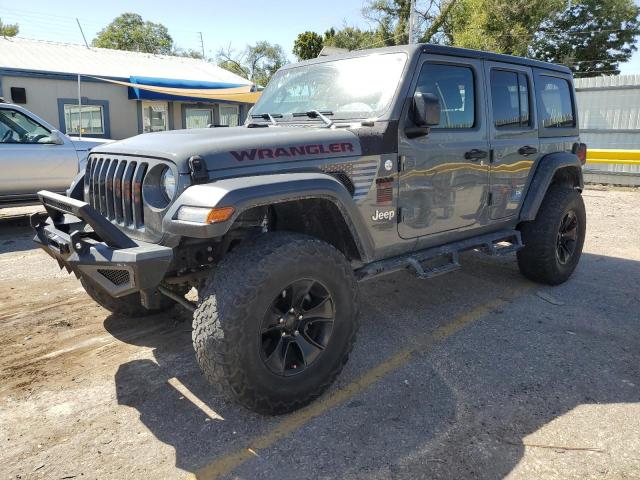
{"points": [[35, 156]]}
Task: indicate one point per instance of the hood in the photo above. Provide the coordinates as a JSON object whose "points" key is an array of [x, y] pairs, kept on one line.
{"points": [[87, 143], [224, 148]]}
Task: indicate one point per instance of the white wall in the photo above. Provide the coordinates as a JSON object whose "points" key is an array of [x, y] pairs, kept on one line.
{"points": [[43, 94]]}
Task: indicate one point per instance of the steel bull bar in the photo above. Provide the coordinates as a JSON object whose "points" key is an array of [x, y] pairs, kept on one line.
{"points": [[87, 244]]}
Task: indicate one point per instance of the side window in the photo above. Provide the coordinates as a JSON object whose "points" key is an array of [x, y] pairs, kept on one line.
{"points": [[15, 127], [453, 85], [510, 99], [555, 99], [229, 115], [154, 116], [92, 117]]}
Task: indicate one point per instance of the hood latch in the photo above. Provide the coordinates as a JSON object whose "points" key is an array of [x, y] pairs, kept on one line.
{"points": [[198, 170]]}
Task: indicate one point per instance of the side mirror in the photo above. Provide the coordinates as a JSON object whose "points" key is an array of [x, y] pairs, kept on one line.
{"points": [[426, 109], [55, 137], [425, 114]]}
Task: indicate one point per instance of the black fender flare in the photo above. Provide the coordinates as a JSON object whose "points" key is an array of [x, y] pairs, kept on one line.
{"points": [[244, 193], [545, 172]]}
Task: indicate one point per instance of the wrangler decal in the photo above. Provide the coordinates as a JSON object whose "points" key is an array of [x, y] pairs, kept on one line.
{"points": [[296, 151]]}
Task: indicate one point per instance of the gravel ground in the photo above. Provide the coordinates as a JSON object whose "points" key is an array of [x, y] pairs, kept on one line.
{"points": [[476, 374]]}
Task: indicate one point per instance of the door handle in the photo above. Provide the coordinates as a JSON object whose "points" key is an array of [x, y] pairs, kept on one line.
{"points": [[475, 154], [527, 150]]}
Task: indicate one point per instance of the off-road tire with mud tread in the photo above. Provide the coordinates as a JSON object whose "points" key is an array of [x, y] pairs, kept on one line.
{"points": [[226, 323], [538, 260], [128, 306]]}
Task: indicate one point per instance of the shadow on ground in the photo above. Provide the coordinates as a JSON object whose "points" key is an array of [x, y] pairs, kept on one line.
{"points": [[459, 410], [15, 237]]}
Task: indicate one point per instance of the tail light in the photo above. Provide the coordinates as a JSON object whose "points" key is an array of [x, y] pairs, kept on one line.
{"points": [[580, 149]]}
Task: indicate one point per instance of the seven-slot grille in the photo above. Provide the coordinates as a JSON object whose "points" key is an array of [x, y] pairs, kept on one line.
{"points": [[114, 188]]}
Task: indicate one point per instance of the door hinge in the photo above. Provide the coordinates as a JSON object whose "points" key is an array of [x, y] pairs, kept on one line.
{"points": [[491, 155], [489, 198], [399, 216], [400, 162]]}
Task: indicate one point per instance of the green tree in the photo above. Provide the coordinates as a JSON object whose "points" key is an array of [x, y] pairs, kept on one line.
{"points": [[503, 26], [351, 38], [592, 37], [188, 53], [307, 45], [391, 18], [130, 32], [256, 63], [8, 29]]}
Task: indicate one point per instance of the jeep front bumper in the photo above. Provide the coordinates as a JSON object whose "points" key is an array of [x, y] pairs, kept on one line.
{"points": [[87, 244]]}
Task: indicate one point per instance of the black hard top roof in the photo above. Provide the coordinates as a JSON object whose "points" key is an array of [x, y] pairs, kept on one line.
{"points": [[448, 51], [494, 57]]}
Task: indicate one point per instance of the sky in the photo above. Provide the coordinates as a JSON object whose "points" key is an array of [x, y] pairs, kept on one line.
{"points": [[233, 23]]}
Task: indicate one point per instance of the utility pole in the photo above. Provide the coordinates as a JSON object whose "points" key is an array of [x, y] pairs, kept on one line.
{"points": [[412, 25], [202, 46], [79, 109], [83, 37]]}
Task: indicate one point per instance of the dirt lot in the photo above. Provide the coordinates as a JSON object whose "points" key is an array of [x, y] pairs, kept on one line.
{"points": [[477, 374]]}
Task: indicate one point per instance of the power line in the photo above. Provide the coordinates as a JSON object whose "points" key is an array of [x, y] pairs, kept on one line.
{"points": [[513, 35], [61, 21], [383, 40]]}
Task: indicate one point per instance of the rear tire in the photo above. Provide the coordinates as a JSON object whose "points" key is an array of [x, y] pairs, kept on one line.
{"points": [[128, 306], [265, 342], [554, 240]]}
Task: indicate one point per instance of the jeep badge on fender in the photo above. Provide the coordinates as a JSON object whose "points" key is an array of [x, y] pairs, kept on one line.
{"points": [[388, 215], [348, 167]]}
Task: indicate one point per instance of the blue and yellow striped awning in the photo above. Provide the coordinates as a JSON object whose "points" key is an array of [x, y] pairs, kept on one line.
{"points": [[145, 88]]}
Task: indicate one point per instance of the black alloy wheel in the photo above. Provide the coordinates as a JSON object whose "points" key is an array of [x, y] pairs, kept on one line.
{"points": [[297, 327], [567, 238]]}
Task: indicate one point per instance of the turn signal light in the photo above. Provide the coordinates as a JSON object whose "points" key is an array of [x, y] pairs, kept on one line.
{"points": [[204, 215], [221, 214]]}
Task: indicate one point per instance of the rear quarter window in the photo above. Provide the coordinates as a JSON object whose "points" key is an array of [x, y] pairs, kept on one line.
{"points": [[556, 104]]}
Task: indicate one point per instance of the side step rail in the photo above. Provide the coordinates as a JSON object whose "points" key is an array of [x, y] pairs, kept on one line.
{"points": [[514, 243], [490, 244], [430, 272]]}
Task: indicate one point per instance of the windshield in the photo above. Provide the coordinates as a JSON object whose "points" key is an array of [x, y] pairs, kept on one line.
{"points": [[360, 87]]}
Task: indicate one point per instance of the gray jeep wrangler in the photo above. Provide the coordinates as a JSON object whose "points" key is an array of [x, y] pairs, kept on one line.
{"points": [[347, 168]]}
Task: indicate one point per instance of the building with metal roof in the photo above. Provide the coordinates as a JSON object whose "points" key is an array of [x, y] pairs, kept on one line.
{"points": [[43, 77], [609, 110]]}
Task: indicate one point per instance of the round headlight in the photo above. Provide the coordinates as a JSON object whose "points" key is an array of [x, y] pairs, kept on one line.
{"points": [[168, 184]]}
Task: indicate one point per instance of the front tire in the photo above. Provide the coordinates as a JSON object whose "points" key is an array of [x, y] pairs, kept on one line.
{"points": [[276, 321], [554, 240]]}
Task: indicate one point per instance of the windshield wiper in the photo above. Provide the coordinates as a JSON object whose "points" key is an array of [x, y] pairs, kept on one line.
{"points": [[268, 116], [316, 114]]}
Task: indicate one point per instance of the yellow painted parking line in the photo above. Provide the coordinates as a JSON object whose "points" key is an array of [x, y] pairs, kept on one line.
{"points": [[227, 463], [189, 395]]}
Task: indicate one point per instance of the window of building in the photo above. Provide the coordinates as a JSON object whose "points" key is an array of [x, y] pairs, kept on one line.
{"points": [[197, 117], [155, 116], [510, 99], [91, 116], [556, 103], [19, 95], [453, 85], [15, 127], [229, 115]]}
